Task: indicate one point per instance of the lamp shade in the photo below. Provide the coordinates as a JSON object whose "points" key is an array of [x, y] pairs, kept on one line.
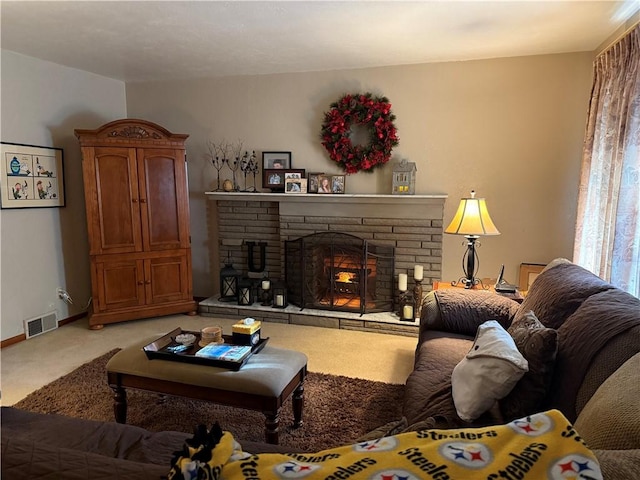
{"points": [[472, 218]]}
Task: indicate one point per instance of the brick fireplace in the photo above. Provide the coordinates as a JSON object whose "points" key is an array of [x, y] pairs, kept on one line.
{"points": [[411, 224]]}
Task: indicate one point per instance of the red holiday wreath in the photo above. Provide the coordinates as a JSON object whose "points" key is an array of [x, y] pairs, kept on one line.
{"points": [[374, 113]]}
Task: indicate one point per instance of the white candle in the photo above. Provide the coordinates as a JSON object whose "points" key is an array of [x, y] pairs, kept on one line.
{"points": [[407, 312], [266, 284], [279, 300], [418, 272], [402, 282]]}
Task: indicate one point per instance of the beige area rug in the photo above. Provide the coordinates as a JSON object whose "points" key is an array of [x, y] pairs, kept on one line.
{"points": [[337, 409]]}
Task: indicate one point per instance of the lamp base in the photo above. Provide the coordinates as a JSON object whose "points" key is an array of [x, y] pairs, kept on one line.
{"points": [[469, 283]]}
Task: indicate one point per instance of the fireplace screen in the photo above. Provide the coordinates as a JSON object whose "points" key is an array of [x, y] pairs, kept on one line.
{"points": [[338, 271]]}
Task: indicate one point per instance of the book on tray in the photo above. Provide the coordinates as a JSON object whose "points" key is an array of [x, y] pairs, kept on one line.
{"points": [[229, 353]]}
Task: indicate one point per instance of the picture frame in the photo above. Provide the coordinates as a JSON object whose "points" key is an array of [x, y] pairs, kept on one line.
{"points": [[31, 176], [312, 182], [337, 183], [324, 184], [274, 178], [528, 273], [295, 185], [276, 160]]}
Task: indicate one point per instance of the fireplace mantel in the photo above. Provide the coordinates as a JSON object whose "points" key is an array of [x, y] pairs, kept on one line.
{"points": [[350, 204], [370, 198]]}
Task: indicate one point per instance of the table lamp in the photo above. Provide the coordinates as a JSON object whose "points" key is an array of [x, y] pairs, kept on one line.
{"points": [[471, 220]]}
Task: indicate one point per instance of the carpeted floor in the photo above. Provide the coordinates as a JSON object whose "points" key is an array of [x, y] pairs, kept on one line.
{"points": [[337, 409]]}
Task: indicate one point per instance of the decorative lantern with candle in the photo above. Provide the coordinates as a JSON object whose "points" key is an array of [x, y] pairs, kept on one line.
{"points": [[407, 312], [279, 295], [229, 282], [245, 293]]}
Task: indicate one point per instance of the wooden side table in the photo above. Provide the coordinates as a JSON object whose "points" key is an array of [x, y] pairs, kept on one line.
{"points": [[517, 296]]}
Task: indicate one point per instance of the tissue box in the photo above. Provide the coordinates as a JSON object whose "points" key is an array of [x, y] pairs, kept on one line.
{"points": [[245, 334]]}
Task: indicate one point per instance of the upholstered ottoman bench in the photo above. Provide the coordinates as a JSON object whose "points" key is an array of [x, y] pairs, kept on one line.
{"points": [[264, 383]]}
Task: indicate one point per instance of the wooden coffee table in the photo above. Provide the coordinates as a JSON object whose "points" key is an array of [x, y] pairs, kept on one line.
{"points": [[264, 383]]}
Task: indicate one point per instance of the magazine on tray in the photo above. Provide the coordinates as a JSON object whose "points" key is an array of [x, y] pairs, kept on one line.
{"points": [[230, 353]]}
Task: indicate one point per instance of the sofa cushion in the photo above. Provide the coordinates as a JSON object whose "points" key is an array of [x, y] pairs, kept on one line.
{"points": [[539, 345], [558, 292], [487, 373], [435, 359], [462, 311], [611, 419], [588, 331]]}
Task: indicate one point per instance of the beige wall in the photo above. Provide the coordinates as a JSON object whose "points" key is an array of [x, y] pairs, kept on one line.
{"points": [[46, 248], [510, 128]]}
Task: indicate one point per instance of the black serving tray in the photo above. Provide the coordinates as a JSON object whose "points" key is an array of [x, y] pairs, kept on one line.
{"points": [[159, 349]]}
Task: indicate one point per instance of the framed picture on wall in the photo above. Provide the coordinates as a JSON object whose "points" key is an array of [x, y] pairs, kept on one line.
{"points": [[31, 176], [276, 160]]}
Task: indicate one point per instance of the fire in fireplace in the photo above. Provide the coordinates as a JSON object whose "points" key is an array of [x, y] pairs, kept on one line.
{"points": [[339, 271]]}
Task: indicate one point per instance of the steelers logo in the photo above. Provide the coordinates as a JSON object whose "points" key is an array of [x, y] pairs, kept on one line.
{"points": [[575, 467], [293, 469], [393, 474], [533, 425], [379, 445], [468, 455]]}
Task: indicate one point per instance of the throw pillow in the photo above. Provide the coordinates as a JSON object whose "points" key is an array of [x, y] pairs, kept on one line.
{"points": [[487, 373], [539, 345]]}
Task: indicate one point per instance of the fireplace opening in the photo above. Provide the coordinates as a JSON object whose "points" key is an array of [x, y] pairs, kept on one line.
{"points": [[339, 271]]}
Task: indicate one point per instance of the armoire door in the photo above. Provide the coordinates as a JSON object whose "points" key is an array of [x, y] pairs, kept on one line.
{"points": [[167, 279], [120, 283], [111, 191], [163, 199]]}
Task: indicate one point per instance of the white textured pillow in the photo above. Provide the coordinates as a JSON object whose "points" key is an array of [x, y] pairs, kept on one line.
{"points": [[488, 372]]}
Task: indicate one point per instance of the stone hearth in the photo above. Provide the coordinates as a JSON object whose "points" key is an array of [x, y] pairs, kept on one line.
{"points": [[412, 224]]}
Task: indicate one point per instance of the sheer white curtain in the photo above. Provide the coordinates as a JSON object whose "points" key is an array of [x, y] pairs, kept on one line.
{"points": [[608, 224]]}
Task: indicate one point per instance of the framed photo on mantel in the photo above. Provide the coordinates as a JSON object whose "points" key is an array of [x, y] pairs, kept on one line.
{"points": [[276, 160], [31, 176], [274, 178]]}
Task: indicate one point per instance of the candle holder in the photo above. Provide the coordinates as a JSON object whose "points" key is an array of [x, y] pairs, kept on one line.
{"points": [[265, 292], [417, 297]]}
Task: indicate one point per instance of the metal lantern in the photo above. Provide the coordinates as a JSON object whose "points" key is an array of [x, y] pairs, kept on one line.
{"points": [[404, 178], [246, 294], [229, 277], [279, 295], [407, 311]]}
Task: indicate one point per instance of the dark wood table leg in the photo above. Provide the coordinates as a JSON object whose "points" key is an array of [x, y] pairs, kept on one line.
{"points": [[272, 424], [298, 404], [119, 404]]}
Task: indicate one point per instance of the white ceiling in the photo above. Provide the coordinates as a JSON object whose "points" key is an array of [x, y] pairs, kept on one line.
{"points": [[166, 40]]}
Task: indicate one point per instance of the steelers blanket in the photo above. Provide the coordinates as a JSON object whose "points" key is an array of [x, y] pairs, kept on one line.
{"points": [[542, 446]]}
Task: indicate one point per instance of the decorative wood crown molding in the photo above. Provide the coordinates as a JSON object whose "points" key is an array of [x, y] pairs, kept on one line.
{"points": [[133, 132]]}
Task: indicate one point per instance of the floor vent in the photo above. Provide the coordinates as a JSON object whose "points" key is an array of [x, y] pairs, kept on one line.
{"points": [[42, 324]]}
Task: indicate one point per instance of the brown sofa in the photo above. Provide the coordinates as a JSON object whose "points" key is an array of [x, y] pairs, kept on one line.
{"points": [[36, 445], [594, 382], [593, 379]]}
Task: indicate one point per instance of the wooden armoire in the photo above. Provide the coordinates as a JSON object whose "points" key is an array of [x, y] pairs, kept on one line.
{"points": [[137, 202]]}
